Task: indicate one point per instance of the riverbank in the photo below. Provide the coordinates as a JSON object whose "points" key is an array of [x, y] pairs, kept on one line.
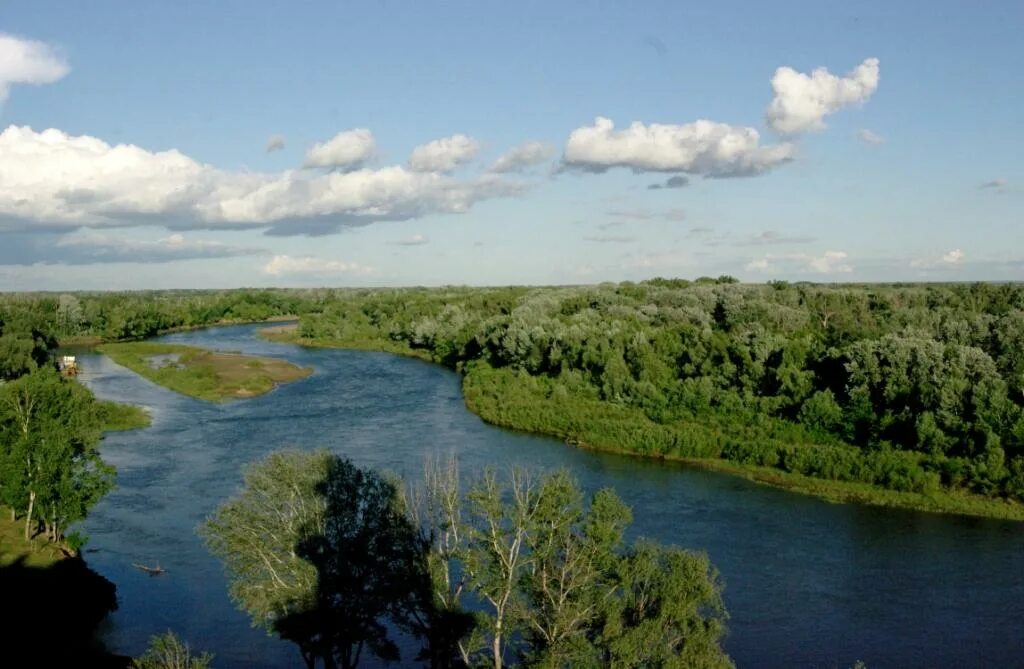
{"points": [[536, 413], [206, 375]]}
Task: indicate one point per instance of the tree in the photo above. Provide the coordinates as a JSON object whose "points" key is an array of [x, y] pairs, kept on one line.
{"points": [[667, 612], [256, 534], [496, 556], [320, 552], [571, 573], [50, 467], [167, 651]]}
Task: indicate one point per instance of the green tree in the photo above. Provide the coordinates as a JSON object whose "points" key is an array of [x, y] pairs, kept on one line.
{"points": [[50, 467], [167, 651], [320, 552], [667, 612]]}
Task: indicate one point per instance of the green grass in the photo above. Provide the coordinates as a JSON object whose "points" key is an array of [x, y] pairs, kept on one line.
{"points": [[116, 417], [520, 402], [38, 552], [205, 375], [289, 334]]}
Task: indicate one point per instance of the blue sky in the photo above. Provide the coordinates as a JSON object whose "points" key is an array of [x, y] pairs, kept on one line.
{"points": [[905, 167]]}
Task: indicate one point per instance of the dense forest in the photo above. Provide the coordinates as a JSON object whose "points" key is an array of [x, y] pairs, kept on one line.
{"points": [[913, 388], [910, 387]]}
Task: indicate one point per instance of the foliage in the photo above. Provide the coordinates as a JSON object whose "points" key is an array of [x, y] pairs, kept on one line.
{"points": [[167, 651], [50, 468], [319, 552], [556, 585], [911, 388]]}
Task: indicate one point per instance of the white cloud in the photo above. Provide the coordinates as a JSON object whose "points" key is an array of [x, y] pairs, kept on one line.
{"points": [[283, 265], [348, 150], [275, 143], [999, 183], [523, 156], [414, 240], [443, 155], [949, 260], [830, 262], [703, 147], [802, 101], [869, 137], [51, 180], [25, 61], [954, 257]]}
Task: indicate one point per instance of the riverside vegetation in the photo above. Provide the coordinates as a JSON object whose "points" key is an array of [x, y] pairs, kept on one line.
{"points": [[515, 570], [907, 395]]}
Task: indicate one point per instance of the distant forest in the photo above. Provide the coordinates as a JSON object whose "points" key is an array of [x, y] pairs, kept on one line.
{"points": [[909, 387]]}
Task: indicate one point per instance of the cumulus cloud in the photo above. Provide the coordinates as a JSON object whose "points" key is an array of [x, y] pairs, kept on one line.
{"points": [[349, 149], [88, 247], [51, 180], [414, 240], [522, 157], [954, 257], [706, 148], [830, 262], [443, 155], [948, 260], [275, 143], [770, 237], [285, 265], [997, 184], [678, 181], [802, 101], [869, 137], [25, 61]]}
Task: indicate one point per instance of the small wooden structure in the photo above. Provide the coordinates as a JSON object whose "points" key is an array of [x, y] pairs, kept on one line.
{"points": [[68, 365]]}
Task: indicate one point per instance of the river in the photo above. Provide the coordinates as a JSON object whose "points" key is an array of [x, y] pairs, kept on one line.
{"points": [[808, 584]]}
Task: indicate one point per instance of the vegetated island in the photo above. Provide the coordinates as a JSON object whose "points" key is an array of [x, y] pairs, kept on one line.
{"points": [[891, 395], [207, 375]]}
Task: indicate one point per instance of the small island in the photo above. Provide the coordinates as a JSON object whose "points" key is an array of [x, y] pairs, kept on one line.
{"points": [[213, 376]]}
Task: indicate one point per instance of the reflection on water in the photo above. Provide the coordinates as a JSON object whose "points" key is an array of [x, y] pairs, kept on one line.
{"points": [[808, 584]]}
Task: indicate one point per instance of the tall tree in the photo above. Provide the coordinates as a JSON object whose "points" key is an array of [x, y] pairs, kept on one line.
{"points": [[320, 552], [49, 433]]}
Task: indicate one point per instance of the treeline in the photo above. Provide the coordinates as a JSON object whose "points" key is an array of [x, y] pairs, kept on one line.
{"points": [[512, 570], [908, 387], [137, 315]]}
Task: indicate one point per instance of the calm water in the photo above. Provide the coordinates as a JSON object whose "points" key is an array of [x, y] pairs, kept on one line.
{"points": [[808, 584]]}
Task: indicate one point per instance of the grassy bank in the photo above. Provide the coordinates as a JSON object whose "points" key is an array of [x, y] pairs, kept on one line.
{"points": [[116, 417], [37, 553], [289, 334], [518, 401], [205, 375]]}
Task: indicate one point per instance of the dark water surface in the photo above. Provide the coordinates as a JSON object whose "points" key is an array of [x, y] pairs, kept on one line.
{"points": [[808, 584]]}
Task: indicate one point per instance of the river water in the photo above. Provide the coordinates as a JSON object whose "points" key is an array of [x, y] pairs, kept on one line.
{"points": [[808, 584]]}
